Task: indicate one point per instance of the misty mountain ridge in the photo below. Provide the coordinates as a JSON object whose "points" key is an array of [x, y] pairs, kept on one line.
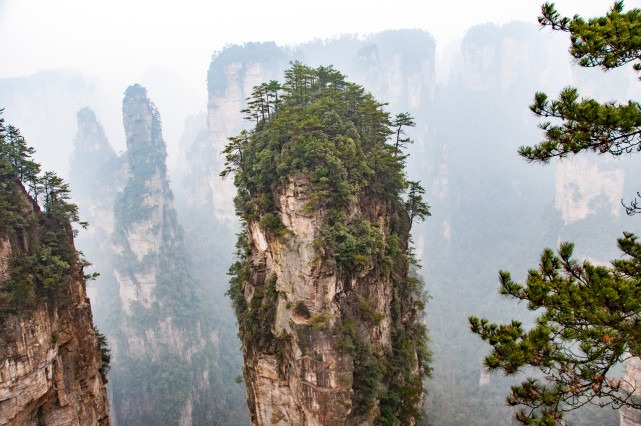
{"points": [[490, 210]]}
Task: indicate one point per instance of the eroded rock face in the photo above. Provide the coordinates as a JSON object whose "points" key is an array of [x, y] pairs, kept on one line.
{"points": [[49, 357], [49, 372], [582, 187], [309, 382], [232, 75], [397, 65], [494, 58], [307, 374], [629, 416], [162, 353]]}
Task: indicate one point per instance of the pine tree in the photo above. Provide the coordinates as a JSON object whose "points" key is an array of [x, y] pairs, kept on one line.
{"points": [[574, 124], [401, 120], [589, 316], [590, 322], [331, 134], [415, 206]]}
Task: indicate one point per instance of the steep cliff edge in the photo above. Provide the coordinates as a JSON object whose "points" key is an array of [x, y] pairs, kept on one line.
{"points": [[231, 75], [97, 175], [395, 65], [164, 342], [630, 416], [329, 315], [52, 361]]}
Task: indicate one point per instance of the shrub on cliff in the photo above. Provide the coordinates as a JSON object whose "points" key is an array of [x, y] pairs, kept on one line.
{"points": [[336, 140]]}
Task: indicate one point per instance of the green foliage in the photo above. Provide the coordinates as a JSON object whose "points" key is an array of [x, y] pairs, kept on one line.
{"points": [[574, 125], [415, 206], [302, 310], [105, 354], [234, 154], [44, 259], [588, 315], [320, 321], [263, 102], [369, 313], [256, 319], [356, 245], [589, 323], [165, 382], [322, 127], [410, 352], [401, 120], [369, 375], [18, 154], [50, 191], [608, 41], [332, 138], [347, 331], [586, 125], [271, 223]]}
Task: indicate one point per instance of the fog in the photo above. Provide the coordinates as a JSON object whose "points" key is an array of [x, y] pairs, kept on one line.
{"points": [[490, 209], [121, 42]]}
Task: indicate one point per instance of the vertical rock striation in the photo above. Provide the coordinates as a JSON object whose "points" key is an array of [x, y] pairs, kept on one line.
{"points": [[397, 65], [43, 105], [163, 349], [630, 416], [97, 175], [231, 75], [328, 311], [50, 358]]}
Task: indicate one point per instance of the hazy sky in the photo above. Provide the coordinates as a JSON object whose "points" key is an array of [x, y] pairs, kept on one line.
{"points": [[124, 38], [167, 45]]}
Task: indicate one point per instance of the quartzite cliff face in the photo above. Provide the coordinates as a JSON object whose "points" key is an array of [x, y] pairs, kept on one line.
{"points": [[322, 321], [397, 65], [328, 311], [97, 175], [50, 359], [630, 416], [164, 346]]}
